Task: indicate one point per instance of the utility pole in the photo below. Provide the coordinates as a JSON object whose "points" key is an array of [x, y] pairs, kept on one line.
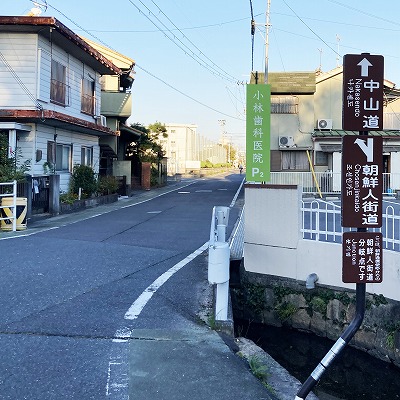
{"points": [[267, 26]]}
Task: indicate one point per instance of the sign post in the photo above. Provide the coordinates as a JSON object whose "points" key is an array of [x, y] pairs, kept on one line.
{"points": [[362, 92], [361, 191], [258, 112]]}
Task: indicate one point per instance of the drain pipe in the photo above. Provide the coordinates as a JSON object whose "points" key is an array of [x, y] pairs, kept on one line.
{"points": [[339, 345]]}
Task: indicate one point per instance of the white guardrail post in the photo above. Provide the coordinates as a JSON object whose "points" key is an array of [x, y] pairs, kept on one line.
{"points": [[6, 215], [218, 260]]}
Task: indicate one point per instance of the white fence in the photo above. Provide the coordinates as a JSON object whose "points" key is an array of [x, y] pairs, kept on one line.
{"points": [[321, 221], [9, 189], [327, 182]]}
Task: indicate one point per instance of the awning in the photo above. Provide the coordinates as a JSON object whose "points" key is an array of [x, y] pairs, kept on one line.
{"points": [[129, 132], [107, 152], [333, 148]]}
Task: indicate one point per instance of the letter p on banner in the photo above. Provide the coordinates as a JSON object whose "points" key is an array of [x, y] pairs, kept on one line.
{"points": [[258, 114]]}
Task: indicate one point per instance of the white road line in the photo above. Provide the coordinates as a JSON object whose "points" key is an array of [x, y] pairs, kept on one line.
{"points": [[118, 382], [136, 308]]}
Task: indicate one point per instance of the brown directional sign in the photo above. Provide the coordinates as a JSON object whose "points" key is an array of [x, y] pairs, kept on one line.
{"points": [[362, 183], [362, 92], [362, 257]]}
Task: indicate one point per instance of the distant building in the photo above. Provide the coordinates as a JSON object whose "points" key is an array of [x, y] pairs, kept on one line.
{"points": [[186, 149]]}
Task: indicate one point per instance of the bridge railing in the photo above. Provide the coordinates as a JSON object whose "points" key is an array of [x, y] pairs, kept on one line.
{"points": [[321, 221], [327, 182]]}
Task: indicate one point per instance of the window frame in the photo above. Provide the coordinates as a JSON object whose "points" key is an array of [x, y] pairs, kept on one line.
{"points": [[88, 96], [87, 155], [63, 165], [58, 84]]}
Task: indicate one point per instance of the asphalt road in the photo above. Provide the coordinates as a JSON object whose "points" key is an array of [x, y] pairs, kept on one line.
{"points": [[65, 292]]}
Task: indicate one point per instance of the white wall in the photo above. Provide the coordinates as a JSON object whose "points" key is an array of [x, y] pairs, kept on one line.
{"points": [[273, 244]]}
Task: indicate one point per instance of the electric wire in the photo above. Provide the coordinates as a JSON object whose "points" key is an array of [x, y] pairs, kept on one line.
{"points": [[316, 34], [162, 12], [142, 68], [189, 52], [20, 82], [171, 30]]}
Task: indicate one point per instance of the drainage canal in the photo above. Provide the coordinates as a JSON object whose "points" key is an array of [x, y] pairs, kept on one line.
{"points": [[353, 376]]}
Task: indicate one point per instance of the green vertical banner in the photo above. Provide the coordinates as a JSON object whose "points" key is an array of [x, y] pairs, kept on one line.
{"points": [[258, 126]]}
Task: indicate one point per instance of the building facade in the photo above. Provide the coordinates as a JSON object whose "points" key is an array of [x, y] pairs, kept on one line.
{"points": [[186, 149], [50, 98], [306, 122]]}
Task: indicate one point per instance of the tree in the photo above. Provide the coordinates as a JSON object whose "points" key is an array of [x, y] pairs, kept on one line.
{"points": [[148, 148], [10, 167]]}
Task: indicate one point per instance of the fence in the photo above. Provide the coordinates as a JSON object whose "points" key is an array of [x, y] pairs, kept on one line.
{"points": [[328, 182], [321, 221], [9, 189]]}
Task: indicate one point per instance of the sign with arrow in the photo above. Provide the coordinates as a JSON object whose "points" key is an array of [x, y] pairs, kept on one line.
{"points": [[362, 92], [362, 183]]}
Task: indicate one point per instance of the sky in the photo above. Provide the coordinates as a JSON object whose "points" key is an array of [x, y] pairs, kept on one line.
{"points": [[193, 58]]}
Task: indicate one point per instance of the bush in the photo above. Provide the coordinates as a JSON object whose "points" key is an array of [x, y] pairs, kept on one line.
{"points": [[107, 185], [83, 177]]}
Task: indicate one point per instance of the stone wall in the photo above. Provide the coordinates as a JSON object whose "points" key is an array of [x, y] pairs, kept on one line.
{"points": [[325, 311]]}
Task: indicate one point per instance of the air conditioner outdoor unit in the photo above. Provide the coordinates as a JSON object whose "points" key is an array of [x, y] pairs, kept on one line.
{"points": [[286, 141], [101, 120], [324, 124]]}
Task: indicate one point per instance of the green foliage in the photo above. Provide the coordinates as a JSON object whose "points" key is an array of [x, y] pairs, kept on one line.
{"points": [[379, 299], [153, 176], [107, 185], [319, 304], [255, 297], [83, 177], [286, 310], [68, 198], [259, 370], [209, 164], [281, 291], [11, 168], [392, 329], [148, 148]]}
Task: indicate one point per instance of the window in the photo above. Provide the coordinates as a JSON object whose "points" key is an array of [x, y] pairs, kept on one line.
{"points": [[284, 104], [87, 156], [63, 157], [87, 97], [295, 160], [59, 155], [321, 158], [58, 87]]}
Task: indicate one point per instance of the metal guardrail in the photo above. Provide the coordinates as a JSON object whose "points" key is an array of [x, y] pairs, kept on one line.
{"points": [[321, 221], [328, 182], [5, 192]]}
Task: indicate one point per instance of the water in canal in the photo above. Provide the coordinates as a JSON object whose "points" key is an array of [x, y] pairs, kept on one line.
{"points": [[354, 375]]}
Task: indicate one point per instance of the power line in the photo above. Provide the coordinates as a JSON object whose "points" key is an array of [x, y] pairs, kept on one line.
{"points": [[143, 69], [170, 30], [186, 49], [316, 34], [226, 73]]}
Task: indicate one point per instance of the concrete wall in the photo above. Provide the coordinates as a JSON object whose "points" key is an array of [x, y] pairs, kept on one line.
{"points": [[273, 244]]}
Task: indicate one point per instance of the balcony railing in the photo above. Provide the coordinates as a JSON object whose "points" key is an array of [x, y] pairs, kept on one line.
{"points": [[328, 182], [116, 104]]}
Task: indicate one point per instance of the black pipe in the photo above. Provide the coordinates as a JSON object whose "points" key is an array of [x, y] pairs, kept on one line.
{"points": [[339, 345]]}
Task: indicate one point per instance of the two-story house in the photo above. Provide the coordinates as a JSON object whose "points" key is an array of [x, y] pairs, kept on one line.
{"points": [[50, 97], [116, 107]]}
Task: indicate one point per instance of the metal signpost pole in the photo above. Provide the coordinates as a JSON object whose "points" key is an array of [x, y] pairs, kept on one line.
{"points": [[362, 187]]}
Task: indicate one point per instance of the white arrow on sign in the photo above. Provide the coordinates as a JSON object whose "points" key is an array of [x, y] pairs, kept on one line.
{"points": [[364, 64], [367, 149]]}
